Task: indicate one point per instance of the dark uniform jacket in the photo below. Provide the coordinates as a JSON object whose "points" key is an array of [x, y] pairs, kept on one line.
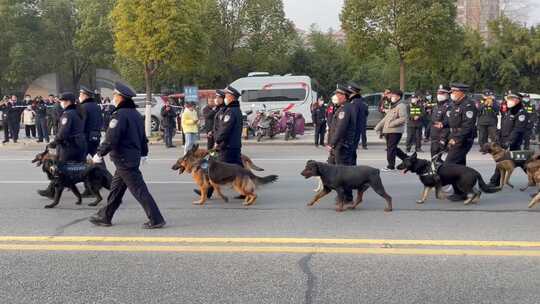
{"points": [[209, 115], [514, 125], [462, 121], [362, 112], [70, 141], [12, 112], [41, 110], [416, 114], [217, 118], [168, 117], [318, 115], [440, 115], [93, 119], [487, 115], [125, 138], [229, 129], [343, 127]]}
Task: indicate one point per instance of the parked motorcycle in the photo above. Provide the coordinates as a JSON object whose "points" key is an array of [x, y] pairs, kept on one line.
{"points": [[266, 124], [246, 127]]}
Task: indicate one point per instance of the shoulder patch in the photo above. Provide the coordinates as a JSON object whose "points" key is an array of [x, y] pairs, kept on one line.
{"points": [[448, 113], [470, 114], [522, 118], [226, 118], [113, 123], [341, 115], [64, 120]]}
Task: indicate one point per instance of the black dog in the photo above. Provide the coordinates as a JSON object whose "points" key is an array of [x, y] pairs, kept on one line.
{"points": [[459, 176], [340, 178], [68, 175]]}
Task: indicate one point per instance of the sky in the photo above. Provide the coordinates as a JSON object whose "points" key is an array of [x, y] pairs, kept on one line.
{"points": [[325, 13]]}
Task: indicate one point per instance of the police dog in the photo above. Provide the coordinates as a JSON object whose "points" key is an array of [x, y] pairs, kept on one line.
{"points": [[505, 164], [533, 174], [208, 172], [459, 176], [95, 176], [201, 153], [340, 178]]}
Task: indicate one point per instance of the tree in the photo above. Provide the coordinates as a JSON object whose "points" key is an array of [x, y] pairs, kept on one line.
{"points": [[414, 28], [79, 35], [154, 33]]}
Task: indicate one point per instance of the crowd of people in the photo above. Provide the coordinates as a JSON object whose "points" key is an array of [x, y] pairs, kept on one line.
{"points": [[39, 117]]}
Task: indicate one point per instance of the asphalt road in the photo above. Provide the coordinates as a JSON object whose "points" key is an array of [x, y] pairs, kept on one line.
{"points": [[278, 251]]}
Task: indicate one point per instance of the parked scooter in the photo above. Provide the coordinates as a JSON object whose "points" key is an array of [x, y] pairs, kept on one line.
{"points": [[266, 124]]}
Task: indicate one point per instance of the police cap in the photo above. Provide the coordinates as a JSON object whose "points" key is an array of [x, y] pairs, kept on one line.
{"points": [[220, 93], [341, 89], [443, 89], [67, 96], [459, 87], [511, 94], [123, 90], [86, 91], [488, 92], [354, 88], [232, 91]]}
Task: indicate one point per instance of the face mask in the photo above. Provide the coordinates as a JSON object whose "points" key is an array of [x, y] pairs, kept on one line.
{"points": [[63, 105], [335, 100], [395, 99], [526, 100], [414, 100], [27, 99], [442, 97]]}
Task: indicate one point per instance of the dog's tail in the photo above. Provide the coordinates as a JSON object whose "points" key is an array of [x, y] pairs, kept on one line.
{"points": [[264, 180], [248, 163], [484, 187]]}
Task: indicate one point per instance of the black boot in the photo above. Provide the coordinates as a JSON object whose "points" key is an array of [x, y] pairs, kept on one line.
{"points": [[98, 221]]}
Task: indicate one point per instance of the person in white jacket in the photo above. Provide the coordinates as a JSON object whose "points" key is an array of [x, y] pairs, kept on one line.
{"points": [[29, 121]]}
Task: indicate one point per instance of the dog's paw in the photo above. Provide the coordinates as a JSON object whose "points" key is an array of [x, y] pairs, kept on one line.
{"points": [[49, 206], [78, 203], [198, 203], [388, 209], [419, 202]]}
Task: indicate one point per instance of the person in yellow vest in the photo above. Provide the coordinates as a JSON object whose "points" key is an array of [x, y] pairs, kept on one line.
{"points": [[415, 122], [533, 117], [190, 120]]}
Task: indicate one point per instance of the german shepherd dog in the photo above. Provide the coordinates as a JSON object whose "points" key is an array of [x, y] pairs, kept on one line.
{"points": [[533, 174], [219, 174], [505, 164], [340, 178], [459, 176], [95, 176]]}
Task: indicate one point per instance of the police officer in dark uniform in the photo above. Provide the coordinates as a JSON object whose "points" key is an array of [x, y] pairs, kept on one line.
{"points": [[533, 117], [439, 123], [429, 103], [209, 115], [5, 124], [13, 110], [488, 112], [93, 119], [127, 144], [318, 116], [229, 129], [514, 127], [343, 131], [415, 123], [70, 141], [41, 121], [462, 114], [362, 112]]}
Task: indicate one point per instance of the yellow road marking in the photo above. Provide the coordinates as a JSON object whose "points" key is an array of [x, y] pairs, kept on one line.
{"points": [[276, 249], [239, 240]]}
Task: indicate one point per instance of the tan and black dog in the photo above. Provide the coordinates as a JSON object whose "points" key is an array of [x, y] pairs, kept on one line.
{"points": [[504, 162], [340, 178], [219, 174], [533, 174]]}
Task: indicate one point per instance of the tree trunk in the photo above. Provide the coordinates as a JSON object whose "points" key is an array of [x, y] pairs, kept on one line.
{"points": [[148, 105], [402, 81]]}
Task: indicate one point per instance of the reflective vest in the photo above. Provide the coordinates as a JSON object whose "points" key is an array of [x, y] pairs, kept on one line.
{"points": [[530, 109], [415, 111]]}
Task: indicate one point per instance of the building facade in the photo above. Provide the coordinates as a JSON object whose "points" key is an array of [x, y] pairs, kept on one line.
{"points": [[476, 14]]}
